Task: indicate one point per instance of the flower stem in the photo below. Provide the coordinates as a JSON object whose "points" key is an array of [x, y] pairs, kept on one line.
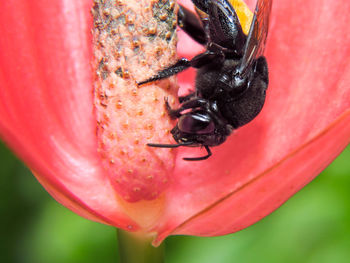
{"points": [[137, 248]]}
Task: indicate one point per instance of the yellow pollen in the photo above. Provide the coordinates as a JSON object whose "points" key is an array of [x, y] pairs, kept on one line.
{"points": [[245, 15], [119, 104], [152, 30], [168, 35], [163, 16]]}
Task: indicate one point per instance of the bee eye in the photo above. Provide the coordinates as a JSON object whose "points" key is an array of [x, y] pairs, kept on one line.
{"points": [[196, 123]]}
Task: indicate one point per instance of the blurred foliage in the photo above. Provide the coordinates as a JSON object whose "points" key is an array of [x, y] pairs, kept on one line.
{"points": [[313, 226]]}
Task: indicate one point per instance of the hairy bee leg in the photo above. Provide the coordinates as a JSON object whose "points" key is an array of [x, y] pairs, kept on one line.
{"points": [[202, 157], [207, 57], [179, 66], [183, 64], [191, 24]]}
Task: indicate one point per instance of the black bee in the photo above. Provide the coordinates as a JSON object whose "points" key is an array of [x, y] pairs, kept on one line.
{"points": [[232, 74]]}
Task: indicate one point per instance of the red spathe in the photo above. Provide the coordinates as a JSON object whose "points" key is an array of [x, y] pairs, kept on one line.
{"points": [[46, 117]]}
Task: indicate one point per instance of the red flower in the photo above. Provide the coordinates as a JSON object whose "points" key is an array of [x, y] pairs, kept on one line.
{"points": [[47, 117]]}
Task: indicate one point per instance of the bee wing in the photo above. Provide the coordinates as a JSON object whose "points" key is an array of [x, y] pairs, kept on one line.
{"points": [[255, 44]]}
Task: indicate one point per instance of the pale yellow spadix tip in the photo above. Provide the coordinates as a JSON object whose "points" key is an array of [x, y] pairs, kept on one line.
{"points": [[245, 15]]}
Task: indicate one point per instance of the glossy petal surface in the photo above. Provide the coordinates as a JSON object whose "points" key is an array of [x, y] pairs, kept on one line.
{"points": [[46, 117], [303, 126], [46, 109]]}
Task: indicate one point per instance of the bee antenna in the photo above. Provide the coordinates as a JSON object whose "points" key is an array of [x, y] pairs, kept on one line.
{"points": [[200, 158], [159, 145]]}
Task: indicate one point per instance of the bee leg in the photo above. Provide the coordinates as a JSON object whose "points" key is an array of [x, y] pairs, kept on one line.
{"points": [[191, 24], [179, 66], [182, 99], [198, 61], [190, 104], [171, 112], [208, 57], [197, 102]]}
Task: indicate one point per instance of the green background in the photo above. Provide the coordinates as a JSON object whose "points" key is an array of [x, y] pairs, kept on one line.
{"points": [[313, 226]]}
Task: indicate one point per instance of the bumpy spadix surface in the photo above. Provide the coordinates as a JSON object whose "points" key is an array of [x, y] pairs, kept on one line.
{"points": [[132, 40], [47, 116]]}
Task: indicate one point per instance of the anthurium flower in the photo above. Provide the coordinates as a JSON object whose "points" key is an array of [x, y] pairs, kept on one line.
{"points": [[50, 117]]}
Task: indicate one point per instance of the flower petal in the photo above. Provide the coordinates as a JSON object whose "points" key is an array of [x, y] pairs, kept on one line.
{"points": [[269, 190], [302, 127], [52, 127], [46, 103]]}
